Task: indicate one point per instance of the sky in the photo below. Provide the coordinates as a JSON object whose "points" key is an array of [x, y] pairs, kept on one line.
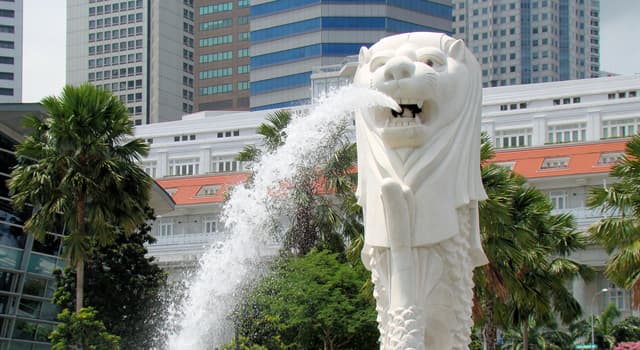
{"points": [[45, 36]]}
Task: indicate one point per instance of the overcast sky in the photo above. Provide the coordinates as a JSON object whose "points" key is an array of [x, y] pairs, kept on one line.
{"points": [[45, 33]]}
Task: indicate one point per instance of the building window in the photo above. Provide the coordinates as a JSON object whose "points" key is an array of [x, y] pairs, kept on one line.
{"points": [[243, 36], [166, 228], [182, 167], [7, 13], [215, 57], [6, 29], [216, 89], [618, 296], [150, 168], [225, 165], [243, 85], [242, 20], [209, 224], [513, 138], [607, 158], [575, 132], [216, 40], [6, 76], [221, 23], [558, 199], [555, 163], [243, 52], [205, 10], [620, 127], [208, 190], [7, 44]]}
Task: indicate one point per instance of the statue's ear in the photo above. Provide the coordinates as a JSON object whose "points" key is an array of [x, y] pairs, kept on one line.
{"points": [[457, 50], [364, 56]]}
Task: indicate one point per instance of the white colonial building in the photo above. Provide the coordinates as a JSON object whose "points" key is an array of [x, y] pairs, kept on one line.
{"points": [[562, 136]]}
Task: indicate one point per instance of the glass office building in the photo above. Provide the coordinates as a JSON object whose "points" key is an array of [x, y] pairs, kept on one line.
{"points": [[27, 315], [532, 41], [289, 38]]}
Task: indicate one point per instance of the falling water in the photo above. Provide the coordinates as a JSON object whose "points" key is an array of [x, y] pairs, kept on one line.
{"points": [[201, 321]]}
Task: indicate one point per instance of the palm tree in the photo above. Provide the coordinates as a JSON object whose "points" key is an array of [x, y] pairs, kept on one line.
{"points": [[273, 136], [619, 231], [603, 327], [78, 166], [527, 249], [547, 336], [318, 221]]}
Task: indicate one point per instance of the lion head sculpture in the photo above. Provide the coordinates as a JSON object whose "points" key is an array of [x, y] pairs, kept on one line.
{"points": [[431, 144]]}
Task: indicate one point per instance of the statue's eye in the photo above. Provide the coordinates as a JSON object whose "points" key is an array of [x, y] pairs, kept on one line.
{"points": [[429, 62]]}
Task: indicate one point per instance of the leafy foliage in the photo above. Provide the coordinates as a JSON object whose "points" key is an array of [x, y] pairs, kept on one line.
{"points": [[318, 220], [82, 330], [527, 247], [310, 302], [123, 285], [619, 231], [79, 165], [539, 337], [627, 330]]}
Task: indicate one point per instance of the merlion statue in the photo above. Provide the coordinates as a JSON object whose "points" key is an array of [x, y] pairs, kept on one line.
{"points": [[419, 185]]}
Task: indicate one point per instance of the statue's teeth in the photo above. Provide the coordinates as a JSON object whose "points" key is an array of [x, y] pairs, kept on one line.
{"points": [[420, 103]]}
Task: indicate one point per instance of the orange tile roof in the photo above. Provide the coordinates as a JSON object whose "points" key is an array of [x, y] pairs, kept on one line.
{"points": [[188, 187], [583, 158]]}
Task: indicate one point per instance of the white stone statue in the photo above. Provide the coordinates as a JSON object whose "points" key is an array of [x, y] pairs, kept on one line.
{"points": [[419, 184]]}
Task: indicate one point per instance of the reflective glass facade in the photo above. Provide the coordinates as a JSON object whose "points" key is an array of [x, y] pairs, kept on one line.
{"points": [[27, 315], [289, 38], [530, 41]]}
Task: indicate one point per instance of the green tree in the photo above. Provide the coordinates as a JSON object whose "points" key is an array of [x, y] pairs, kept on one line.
{"points": [[627, 330], [541, 337], [527, 249], [603, 326], [324, 215], [311, 302], [123, 286], [80, 164], [619, 231], [82, 330]]}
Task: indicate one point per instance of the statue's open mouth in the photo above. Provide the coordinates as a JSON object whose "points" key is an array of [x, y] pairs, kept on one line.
{"points": [[409, 114]]}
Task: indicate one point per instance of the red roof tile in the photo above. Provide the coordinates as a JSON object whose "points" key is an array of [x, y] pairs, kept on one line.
{"points": [[186, 188], [583, 158]]}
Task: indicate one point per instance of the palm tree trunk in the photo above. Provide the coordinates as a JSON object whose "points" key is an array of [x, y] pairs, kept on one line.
{"points": [[525, 335], [80, 217], [79, 284], [489, 327]]}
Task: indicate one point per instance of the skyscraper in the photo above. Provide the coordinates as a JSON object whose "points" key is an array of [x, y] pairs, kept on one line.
{"points": [[141, 50], [222, 54], [530, 41], [288, 38], [11, 51]]}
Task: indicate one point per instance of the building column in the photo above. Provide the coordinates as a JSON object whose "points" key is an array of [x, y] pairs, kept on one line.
{"points": [[163, 164], [539, 129], [594, 126], [205, 160], [490, 129]]}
